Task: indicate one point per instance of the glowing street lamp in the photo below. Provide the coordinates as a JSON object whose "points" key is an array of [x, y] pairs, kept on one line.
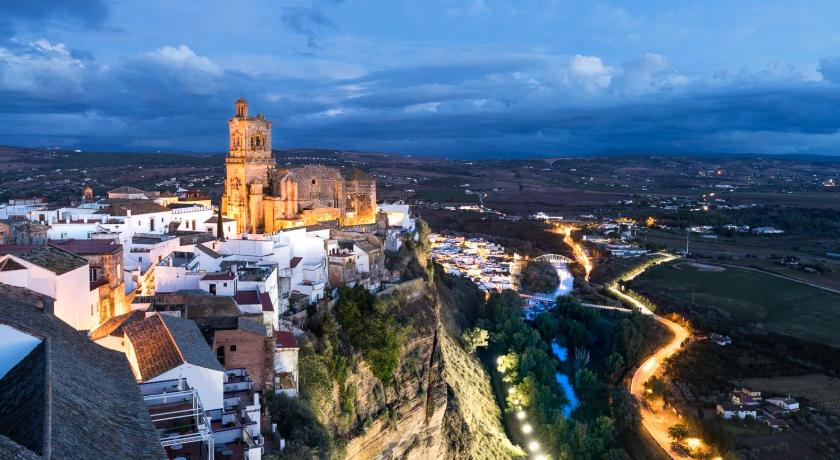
{"points": [[534, 446], [520, 415], [693, 443], [527, 428]]}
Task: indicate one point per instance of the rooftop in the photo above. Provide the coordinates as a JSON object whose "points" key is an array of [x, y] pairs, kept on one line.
{"points": [[285, 339], [114, 325], [136, 207], [81, 247], [162, 342], [51, 258], [95, 409]]}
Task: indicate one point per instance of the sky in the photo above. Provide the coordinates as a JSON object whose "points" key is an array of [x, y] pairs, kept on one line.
{"points": [[472, 78]]}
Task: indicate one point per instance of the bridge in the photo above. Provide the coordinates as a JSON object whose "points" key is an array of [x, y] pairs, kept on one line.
{"points": [[555, 258]]}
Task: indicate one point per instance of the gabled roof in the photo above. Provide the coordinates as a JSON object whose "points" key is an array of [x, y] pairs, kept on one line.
{"points": [[80, 247], [163, 342], [125, 189], [114, 325], [137, 207], [220, 276], [208, 251], [285, 339], [8, 265], [53, 259], [86, 392], [215, 220]]}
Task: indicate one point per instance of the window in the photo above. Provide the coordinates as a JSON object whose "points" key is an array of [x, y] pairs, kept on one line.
{"points": [[224, 284], [233, 348], [94, 274], [141, 258]]}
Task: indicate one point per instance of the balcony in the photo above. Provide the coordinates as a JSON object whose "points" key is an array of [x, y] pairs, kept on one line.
{"points": [[176, 411]]}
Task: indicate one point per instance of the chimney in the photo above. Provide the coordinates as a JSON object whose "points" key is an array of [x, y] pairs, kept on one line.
{"points": [[49, 306], [128, 212]]}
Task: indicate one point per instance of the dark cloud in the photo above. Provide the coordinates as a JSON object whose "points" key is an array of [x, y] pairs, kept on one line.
{"points": [[308, 21], [90, 13]]}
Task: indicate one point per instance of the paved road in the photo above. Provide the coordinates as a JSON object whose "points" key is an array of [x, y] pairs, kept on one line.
{"points": [[656, 424]]}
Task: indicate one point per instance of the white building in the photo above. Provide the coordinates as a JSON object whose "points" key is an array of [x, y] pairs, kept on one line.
{"points": [[163, 347], [58, 274]]}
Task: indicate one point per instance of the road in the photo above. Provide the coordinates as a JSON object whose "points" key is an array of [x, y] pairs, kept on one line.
{"points": [[656, 424]]}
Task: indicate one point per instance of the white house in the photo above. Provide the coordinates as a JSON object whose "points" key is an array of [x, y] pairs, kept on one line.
{"points": [[730, 411], [788, 404], [58, 274], [163, 347]]}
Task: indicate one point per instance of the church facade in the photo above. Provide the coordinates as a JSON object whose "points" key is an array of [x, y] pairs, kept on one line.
{"points": [[263, 198]]}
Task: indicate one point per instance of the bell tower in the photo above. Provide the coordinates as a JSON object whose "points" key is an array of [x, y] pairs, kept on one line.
{"points": [[247, 166]]}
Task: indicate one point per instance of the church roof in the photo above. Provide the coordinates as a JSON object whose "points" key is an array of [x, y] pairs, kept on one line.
{"points": [[355, 173]]}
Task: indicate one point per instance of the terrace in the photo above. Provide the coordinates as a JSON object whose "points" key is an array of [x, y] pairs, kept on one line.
{"points": [[176, 411]]}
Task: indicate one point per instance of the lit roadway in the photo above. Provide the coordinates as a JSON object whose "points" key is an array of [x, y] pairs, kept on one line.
{"points": [[656, 424]]}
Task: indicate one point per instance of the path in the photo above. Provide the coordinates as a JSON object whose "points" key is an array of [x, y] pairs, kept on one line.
{"points": [[656, 424]]}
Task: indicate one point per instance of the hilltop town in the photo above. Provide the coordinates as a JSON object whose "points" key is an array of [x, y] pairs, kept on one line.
{"points": [[200, 303]]}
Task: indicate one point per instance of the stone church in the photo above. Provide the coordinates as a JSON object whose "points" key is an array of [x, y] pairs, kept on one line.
{"points": [[263, 198]]}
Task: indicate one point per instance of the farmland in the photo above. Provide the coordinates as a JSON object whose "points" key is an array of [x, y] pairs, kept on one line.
{"points": [[744, 296]]}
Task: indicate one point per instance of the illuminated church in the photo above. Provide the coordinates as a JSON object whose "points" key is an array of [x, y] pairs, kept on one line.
{"points": [[263, 198]]}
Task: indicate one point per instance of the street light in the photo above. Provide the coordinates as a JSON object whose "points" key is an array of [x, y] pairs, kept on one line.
{"points": [[534, 446], [520, 415], [527, 428]]}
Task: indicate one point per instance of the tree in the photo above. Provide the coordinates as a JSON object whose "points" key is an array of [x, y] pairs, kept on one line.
{"points": [[615, 364], [678, 432], [475, 338], [540, 276], [625, 410], [220, 225]]}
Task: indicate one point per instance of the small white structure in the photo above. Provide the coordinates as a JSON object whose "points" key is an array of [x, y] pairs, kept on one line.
{"points": [[788, 404], [285, 363]]}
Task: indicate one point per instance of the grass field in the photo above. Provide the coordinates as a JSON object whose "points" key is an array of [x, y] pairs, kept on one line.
{"points": [[778, 305]]}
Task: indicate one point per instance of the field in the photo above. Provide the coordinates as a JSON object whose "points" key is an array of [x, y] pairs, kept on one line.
{"points": [[776, 304], [821, 390]]}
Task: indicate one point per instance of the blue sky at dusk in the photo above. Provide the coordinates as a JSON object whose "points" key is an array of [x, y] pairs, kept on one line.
{"points": [[445, 77]]}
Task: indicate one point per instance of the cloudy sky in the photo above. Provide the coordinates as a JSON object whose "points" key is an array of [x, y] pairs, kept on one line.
{"points": [[447, 77]]}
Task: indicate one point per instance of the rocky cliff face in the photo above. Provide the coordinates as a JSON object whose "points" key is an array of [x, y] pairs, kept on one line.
{"points": [[440, 405]]}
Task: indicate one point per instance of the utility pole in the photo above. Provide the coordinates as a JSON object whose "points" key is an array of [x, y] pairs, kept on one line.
{"points": [[687, 232]]}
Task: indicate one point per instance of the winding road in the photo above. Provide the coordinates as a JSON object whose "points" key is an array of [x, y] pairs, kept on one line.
{"points": [[656, 423]]}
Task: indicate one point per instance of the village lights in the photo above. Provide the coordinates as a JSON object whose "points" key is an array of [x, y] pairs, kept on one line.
{"points": [[534, 446], [527, 428], [520, 415]]}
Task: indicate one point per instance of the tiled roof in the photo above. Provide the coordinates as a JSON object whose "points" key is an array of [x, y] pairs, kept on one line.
{"points": [[197, 304], [285, 339], [221, 276], [162, 342], [126, 189], [247, 298], [87, 246], [137, 207], [215, 220], [208, 251], [53, 259], [295, 261], [95, 408], [249, 325], [114, 325]]}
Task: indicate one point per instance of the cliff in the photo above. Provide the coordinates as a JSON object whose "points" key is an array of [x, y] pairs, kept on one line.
{"points": [[439, 405]]}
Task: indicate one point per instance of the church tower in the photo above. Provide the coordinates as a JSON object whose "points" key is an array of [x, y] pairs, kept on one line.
{"points": [[247, 166]]}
